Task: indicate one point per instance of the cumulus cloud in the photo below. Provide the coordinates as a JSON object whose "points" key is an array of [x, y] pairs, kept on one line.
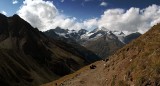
{"points": [[90, 23], [44, 15], [38, 13], [103, 4], [3, 12], [65, 22], [14, 1], [131, 20]]}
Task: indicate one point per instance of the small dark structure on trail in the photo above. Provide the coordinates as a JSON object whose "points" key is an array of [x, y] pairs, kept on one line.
{"points": [[92, 66]]}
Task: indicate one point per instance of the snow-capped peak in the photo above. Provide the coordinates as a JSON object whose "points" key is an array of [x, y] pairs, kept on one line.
{"points": [[104, 29]]}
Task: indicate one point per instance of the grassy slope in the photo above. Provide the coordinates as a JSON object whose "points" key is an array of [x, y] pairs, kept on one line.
{"points": [[136, 64]]}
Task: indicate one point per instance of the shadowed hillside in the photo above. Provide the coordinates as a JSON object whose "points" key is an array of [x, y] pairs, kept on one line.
{"points": [[29, 58]]}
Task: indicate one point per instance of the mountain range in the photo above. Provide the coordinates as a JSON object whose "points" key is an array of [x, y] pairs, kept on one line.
{"points": [[101, 41]]}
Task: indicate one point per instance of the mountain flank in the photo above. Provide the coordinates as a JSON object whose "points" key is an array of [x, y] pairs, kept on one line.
{"points": [[136, 64], [29, 58]]}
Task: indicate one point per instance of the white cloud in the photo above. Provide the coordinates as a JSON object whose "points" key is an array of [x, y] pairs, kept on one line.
{"points": [[132, 20], [14, 1], [90, 23], [3, 12], [38, 13], [44, 15], [103, 4]]}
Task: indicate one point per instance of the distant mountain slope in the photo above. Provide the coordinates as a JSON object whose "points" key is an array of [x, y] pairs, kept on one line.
{"points": [[30, 58], [131, 37], [108, 42], [105, 45], [101, 41], [59, 36], [70, 35], [136, 64]]}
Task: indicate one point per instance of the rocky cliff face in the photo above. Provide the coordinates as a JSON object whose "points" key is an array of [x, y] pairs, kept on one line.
{"points": [[30, 58]]}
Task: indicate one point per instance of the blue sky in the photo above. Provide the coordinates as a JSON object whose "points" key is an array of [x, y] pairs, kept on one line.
{"points": [[123, 15], [77, 8], [9, 7]]}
